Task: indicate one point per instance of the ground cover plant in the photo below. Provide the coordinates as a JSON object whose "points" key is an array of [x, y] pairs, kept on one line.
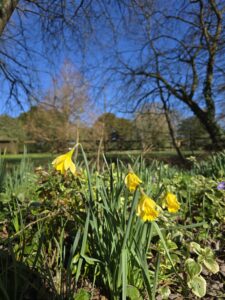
{"points": [[73, 230]]}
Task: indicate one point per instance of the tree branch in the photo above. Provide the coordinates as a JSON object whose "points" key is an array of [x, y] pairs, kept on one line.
{"points": [[6, 9]]}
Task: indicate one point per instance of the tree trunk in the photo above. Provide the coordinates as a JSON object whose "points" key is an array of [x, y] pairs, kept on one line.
{"points": [[172, 135], [6, 9], [216, 134], [170, 126]]}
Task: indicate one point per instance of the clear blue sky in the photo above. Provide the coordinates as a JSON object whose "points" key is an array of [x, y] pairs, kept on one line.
{"points": [[94, 61]]}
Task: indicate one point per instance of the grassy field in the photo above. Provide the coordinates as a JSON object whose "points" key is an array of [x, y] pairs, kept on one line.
{"points": [[166, 156], [27, 156]]}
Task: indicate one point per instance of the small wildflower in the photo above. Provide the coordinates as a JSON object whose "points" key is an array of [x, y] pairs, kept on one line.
{"points": [[221, 186], [171, 202], [64, 162], [132, 181], [147, 209]]}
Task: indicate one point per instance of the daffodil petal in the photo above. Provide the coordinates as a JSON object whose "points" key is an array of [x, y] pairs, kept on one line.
{"points": [[67, 163], [171, 202], [60, 167], [132, 181], [73, 168], [59, 159], [64, 162], [147, 209]]}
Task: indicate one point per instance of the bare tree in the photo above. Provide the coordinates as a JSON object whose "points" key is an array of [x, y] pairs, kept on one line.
{"points": [[32, 33], [188, 62], [132, 45], [6, 9], [179, 44], [55, 120]]}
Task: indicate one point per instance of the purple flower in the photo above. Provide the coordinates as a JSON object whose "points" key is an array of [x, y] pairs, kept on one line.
{"points": [[221, 186]]}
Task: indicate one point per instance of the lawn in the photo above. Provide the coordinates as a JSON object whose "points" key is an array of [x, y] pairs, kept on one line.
{"points": [[45, 158]]}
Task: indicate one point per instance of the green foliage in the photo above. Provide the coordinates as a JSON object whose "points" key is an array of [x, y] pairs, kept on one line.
{"points": [[164, 292], [116, 132], [11, 128], [39, 225], [152, 127], [18, 188], [193, 133], [194, 268], [198, 286], [72, 230], [82, 295], [212, 167], [46, 126], [133, 293]]}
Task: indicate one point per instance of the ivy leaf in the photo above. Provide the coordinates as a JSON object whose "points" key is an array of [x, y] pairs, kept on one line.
{"points": [[211, 265], [133, 293], [195, 247], [193, 268], [198, 286], [165, 292]]}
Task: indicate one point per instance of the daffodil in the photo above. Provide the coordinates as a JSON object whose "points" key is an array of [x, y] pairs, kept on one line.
{"points": [[171, 202], [64, 162], [132, 181], [147, 209]]}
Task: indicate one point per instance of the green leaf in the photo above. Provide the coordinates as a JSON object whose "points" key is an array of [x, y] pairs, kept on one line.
{"points": [[82, 295], [171, 245], [211, 265], [198, 286], [133, 293], [207, 253], [211, 197], [75, 258], [124, 273], [165, 292], [192, 267], [90, 260], [195, 247]]}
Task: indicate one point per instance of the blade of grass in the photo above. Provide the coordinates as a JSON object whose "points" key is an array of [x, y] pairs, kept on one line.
{"points": [[156, 275], [124, 274], [129, 225], [83, 246]]}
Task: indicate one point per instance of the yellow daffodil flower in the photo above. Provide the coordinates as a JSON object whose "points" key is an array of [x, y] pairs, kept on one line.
{"points": [[132, 181], [64, 162], [171, 202], [147, 209]]}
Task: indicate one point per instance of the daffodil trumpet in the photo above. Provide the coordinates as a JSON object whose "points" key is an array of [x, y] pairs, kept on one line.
{"points": [[147, 209]]}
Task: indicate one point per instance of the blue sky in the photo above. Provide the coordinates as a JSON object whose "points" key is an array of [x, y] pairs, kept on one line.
{"points": [[95, 59]]}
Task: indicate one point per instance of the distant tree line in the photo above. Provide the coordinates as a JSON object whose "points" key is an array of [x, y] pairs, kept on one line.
{"points": [[66, 116], [48, 129]]}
